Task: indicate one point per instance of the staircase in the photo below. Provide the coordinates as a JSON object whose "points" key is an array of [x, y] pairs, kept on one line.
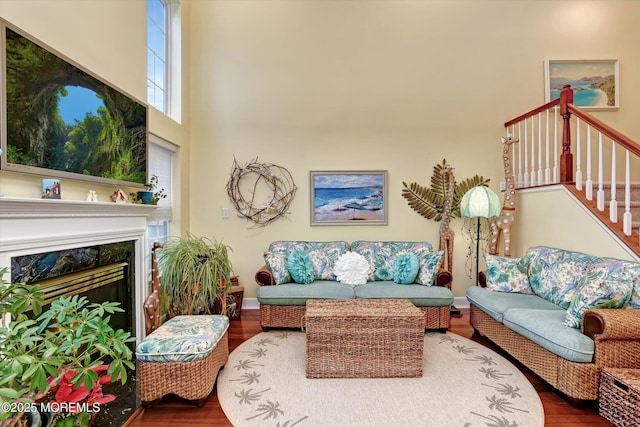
{"points": [[634, 203], [549, 136]]}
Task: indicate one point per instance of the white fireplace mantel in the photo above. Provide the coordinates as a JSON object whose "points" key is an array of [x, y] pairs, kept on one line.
{"points": [[31, 226]]}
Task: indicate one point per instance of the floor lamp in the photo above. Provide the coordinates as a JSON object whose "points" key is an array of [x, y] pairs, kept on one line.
{"points": [[480, 202]]}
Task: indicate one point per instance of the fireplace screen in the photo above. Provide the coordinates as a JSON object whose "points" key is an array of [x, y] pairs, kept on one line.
{"points": [[100, 273]]}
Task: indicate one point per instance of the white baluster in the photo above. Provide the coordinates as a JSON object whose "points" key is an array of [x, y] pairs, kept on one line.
{"points": [[579, 162], [600, 192], [540, 179], [520, 181], [556, 171], [533, 152], [526, 156], [613, 204], [547, 170], [588, 191], [626, 218]]}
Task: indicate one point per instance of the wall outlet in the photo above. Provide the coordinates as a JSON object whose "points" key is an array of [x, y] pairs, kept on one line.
{"points": [[503, 186], [225, 213]]}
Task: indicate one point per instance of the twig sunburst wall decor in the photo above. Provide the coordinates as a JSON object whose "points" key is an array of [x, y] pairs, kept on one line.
{"points": [[260, 192]]}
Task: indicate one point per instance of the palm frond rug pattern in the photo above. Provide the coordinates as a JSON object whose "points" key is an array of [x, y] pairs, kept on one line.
{"points": [[464, 384]]}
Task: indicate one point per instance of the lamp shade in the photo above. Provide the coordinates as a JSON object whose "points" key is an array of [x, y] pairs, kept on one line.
{"points": [[480, 201]]}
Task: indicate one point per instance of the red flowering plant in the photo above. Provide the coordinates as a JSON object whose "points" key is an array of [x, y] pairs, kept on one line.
{"points": [[80, 404]]}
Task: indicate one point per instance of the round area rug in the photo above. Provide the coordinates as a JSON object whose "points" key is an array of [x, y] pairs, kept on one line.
{"points": [[464, 384]]}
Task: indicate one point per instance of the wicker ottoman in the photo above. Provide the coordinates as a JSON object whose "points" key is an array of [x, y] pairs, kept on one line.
{"points": [[375, 338], [182, 357], [620, 396]]}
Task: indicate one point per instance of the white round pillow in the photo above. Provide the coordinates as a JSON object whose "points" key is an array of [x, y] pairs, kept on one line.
{"points": [[351, 269]]}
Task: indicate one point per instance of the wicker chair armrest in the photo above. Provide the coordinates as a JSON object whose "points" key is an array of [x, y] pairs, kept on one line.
{"points": [[611, 324], [443, 278], [264, 277]]}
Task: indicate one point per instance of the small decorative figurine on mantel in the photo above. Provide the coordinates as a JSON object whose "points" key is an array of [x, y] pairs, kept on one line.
{"points": [[92, 196], [119, 197]]}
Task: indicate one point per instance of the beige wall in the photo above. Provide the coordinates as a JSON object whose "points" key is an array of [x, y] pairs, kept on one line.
{"points": [[347, 85], [566, 225], [338, 85]]}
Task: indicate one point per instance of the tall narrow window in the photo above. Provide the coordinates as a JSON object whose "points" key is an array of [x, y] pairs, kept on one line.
{"points": [[157, 54], [161, 155]]}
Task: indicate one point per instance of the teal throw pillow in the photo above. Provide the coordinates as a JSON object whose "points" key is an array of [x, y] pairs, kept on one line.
{"points": [[602, 288], [429, 268], [300, 267], [405, 268], [507, 274]]}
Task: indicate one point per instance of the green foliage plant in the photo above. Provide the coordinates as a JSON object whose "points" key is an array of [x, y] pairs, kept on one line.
{"points": [[71, 335], [195, 271], [158, 194], [429, 201]]}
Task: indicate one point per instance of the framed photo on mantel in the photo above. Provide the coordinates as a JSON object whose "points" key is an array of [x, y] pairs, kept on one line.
{"points": [[348, 198], [595, 82]]}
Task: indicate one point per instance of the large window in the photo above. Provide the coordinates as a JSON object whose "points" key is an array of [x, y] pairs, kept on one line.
{"points": [[158, 54]]}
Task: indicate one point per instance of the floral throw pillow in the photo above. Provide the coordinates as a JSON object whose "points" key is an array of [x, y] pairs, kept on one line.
{"points": [[351, 269], [405, 268], [602, 288], [556, 274], [277, 264], [300, 267], [429, 268], [507, 274]]}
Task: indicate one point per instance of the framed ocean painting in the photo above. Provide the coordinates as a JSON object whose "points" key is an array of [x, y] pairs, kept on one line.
{"points": [[595, 82], [348, 198]]}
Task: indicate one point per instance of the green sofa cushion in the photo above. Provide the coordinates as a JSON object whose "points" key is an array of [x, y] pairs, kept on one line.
{"points": [[545, 328], [419, 295], [496, 303], [297, 294]]}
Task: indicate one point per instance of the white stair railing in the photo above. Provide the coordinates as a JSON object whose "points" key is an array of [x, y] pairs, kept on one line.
{"points": [[541, 160]]}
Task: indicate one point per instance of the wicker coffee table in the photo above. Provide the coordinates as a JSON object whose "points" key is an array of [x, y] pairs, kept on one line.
{"points": [[375, 338]]}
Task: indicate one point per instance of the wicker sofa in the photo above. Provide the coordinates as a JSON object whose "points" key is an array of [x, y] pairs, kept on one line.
{"points": [[532, 326], [283, 303]]}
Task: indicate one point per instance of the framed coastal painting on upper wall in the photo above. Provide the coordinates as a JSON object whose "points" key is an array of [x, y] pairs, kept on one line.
{"points": [[348, 198], [595, 82]]}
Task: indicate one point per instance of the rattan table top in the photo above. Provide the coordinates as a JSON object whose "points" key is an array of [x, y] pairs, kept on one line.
{"points": [[396, 307]]}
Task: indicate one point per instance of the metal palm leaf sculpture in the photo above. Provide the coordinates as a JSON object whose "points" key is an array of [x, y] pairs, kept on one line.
{"points": [[429, 201]]}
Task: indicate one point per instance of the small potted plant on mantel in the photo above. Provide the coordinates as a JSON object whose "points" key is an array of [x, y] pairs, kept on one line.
{"points": [[152, 195], [62, 351]]}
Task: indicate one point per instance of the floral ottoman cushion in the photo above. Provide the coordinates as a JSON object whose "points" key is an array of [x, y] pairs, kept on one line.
{"points": [[183, 339]]}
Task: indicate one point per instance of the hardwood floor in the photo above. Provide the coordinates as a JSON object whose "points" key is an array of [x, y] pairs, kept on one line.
{"points": [[173, 412]]}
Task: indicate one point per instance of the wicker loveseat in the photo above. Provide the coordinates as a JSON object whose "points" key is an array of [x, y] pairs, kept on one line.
{"points": [[283, 302], [532, 325]]}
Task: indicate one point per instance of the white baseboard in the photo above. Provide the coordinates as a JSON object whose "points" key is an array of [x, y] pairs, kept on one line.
{"points": [[252, 303], [461, 302]]}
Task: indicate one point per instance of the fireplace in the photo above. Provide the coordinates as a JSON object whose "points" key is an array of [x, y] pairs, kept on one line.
{"points": [[100, 273], [33, 227]]}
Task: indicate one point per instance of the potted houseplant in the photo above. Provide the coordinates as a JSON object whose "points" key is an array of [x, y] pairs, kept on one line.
{"points": [[152, 195], [65, 345], [195, 271]]}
